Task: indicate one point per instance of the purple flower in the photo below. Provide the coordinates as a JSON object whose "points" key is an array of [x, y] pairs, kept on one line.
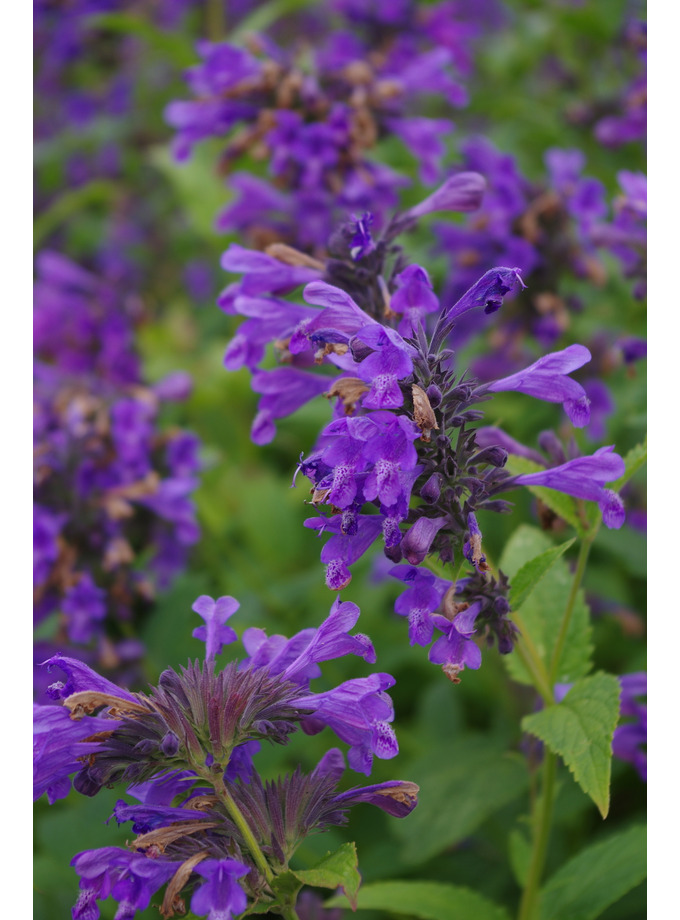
{"points": [[58, 743], [220, 897], [129, 877], [359, 712], [216, 634], [630, 737], [460, 192], [585, 478], [547, 379], [455, 650], [488, 292]]}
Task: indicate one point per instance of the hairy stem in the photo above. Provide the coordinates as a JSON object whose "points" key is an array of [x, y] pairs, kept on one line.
{"points": [[539, 849], [242, 825], [533, 662], [569, 609]]}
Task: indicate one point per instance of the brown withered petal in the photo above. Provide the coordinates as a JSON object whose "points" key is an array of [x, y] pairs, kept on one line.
{"points": [[290, 256], [118, 552], [349, 389], [406, 792], [164, 836], [450, 607], [86, 701], [452, 671], [422, 412], [330, 348], [172, 903]]}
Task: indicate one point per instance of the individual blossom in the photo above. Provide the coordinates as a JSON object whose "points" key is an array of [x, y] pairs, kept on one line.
{"points": [[208, 827]]}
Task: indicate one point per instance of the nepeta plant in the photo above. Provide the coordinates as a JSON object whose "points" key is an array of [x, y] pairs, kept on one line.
{"points": [[209, 828]]}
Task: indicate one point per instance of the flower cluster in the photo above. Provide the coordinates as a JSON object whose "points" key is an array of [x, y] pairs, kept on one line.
{"points": [[314, 114], [110, 485], [208, 826], [401, 458]]}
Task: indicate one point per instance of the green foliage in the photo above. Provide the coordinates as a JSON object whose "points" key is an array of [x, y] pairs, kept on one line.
{"points": [[533, 571], [475, 777], [426, 901], [601, 874], [580, 730], [336, 870], [543, 609]]}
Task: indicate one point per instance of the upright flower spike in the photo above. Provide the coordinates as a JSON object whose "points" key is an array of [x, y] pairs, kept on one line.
{"points": [[547, 379], [208, 826]]}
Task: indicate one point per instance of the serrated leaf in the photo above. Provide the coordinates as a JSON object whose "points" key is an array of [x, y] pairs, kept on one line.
{"points": [[475, 777], [563, 505], [336, 870], [580, 730], [543, 609], [426, 901], [601, 874], [635, 459], [533, 571]]}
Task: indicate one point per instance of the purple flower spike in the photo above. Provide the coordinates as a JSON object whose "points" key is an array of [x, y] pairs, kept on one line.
{"points": [[462, 192], [547, 379], [215, 633], [584, 478], [221, 897]]}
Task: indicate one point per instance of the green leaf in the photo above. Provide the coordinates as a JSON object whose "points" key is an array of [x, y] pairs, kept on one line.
{"points": [[635, 459], [601, 874], [338, 869], [563, 505], [543, 608], [533, 571], [426, 901], [475, 777], [98, 193], [580, 730]]}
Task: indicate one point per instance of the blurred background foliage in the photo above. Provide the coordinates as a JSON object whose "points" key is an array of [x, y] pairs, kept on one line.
{"points": [[461, 744]]}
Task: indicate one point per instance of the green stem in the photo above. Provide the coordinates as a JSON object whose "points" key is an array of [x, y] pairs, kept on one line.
{"points": [[566, 619], [288, 913], [541, 835], [242, 825], [533, 662]]}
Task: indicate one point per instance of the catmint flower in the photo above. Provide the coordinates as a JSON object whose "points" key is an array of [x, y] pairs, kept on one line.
{"points": [[547, 379], [186, 752], [585, 477], [215, 633]]}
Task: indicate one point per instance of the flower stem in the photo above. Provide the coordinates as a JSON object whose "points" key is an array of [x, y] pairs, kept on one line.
{"points": [[566, 619], [541, 835], [247, 834], [533, 662]]}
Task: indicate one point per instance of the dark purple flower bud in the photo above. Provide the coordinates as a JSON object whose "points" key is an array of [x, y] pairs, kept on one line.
{"points": [[494, 456], [431, 491], [434, 394], [418, 540], [170, 744], [488, 292]]}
